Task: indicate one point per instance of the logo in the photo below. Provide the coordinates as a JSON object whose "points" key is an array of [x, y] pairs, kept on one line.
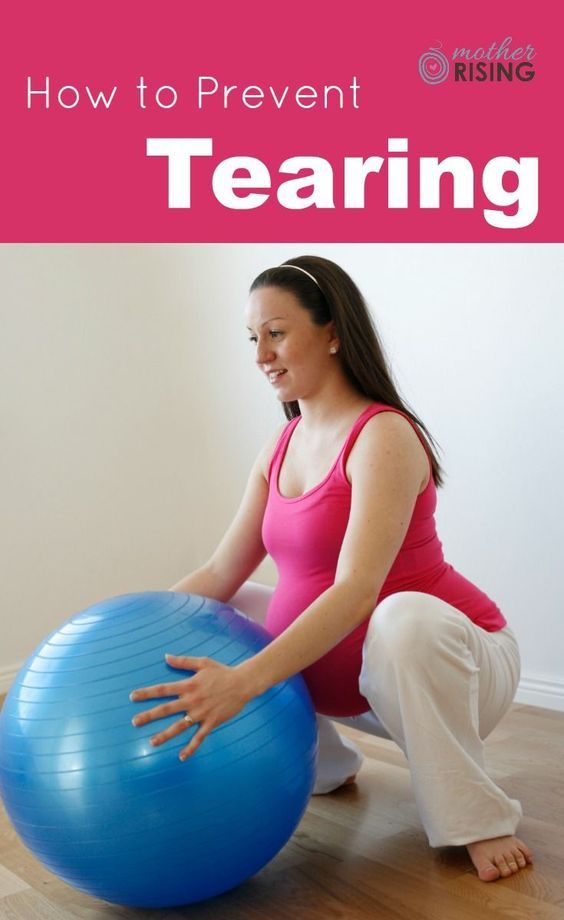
{"points": [[433, 66], [497, 63]]}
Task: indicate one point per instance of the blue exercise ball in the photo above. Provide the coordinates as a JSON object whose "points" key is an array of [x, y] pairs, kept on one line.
{"points": [[124, 821]]}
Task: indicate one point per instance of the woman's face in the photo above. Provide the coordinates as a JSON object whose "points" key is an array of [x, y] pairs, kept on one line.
{"points": [[290, 350]]}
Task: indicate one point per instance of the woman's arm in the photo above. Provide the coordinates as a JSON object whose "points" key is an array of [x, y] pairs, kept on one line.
{"points": [[385, 468], [241, 549], [386, 473]]}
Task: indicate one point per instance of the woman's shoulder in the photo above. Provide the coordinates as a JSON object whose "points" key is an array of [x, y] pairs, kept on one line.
{"points": [[382, 422], [390, 431]]}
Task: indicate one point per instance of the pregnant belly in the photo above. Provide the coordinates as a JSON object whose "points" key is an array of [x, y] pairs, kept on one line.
{"points": [[332, 680]]}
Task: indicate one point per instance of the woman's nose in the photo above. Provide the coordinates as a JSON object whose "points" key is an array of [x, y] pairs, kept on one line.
{"points": [[264, 353]]}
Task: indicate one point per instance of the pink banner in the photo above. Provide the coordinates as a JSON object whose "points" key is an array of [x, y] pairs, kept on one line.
{"points": [[256, 122]]}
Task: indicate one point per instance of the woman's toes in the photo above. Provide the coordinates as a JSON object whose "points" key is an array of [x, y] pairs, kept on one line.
{"points": [[524, 850], [488, 872], [506, 868], [499, 857], [516, 861]]}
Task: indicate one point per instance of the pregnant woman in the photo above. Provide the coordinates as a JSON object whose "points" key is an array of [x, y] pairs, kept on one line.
{"points": [[366, 608]]}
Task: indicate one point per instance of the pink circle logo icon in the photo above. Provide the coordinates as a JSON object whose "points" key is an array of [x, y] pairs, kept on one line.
{"points": [[433, 66]]}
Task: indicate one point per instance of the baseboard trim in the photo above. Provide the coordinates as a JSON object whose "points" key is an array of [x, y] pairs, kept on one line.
{"points": [[541, 691], [534, 690]]}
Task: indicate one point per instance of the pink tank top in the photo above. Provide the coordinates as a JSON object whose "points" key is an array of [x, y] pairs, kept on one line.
{"points": [[304, 536]]}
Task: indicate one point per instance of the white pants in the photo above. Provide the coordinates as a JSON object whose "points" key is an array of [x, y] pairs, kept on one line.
{"points": [[438, 684]]}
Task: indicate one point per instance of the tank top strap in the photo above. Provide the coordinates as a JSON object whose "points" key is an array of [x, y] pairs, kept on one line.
{"points": [[369, 412], [280, 449], [361, 421]]}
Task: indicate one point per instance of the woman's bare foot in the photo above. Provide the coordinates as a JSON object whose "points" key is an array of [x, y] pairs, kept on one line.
{"points": [[499, 857]]}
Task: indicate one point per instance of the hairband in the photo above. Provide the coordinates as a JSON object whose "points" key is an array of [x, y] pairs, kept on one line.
{"points": [[298, 268]]}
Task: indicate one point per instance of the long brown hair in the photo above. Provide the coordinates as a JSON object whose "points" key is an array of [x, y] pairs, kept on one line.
{"points": [[334, 296]]}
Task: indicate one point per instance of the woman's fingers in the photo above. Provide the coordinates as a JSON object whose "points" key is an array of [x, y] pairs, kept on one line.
{"points": [[159, 690], [171, 732], [174, 730], [158, 712], [186, 662], [196, 741], [213, 686], [182, 662]]}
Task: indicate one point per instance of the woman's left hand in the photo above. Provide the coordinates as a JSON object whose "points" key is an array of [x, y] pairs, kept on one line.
{"points": [[215, 693]]}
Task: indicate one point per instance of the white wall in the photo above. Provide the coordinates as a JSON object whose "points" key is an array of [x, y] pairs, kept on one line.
{"points": [[131, 412]]}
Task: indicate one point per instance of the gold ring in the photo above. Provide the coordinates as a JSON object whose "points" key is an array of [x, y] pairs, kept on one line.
{"points": [[188, 718]]}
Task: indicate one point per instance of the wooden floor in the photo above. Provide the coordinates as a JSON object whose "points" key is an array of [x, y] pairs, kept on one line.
{"points": [[360, 853]]}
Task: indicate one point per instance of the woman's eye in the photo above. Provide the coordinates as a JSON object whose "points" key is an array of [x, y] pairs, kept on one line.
{"points": [[273, 333]]}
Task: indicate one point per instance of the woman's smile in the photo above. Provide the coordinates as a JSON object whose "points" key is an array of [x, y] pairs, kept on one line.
{"points": [[274, 376]]}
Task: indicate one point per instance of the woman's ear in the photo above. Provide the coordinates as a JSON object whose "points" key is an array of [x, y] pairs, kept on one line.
{"points": [[334, 343]]}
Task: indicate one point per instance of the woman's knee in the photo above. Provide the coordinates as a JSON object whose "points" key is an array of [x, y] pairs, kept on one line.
{"points": [[252, 599], [410, 624]]}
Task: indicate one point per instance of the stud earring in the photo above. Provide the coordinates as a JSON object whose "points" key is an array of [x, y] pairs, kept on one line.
{"points": [[332, 350]]}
